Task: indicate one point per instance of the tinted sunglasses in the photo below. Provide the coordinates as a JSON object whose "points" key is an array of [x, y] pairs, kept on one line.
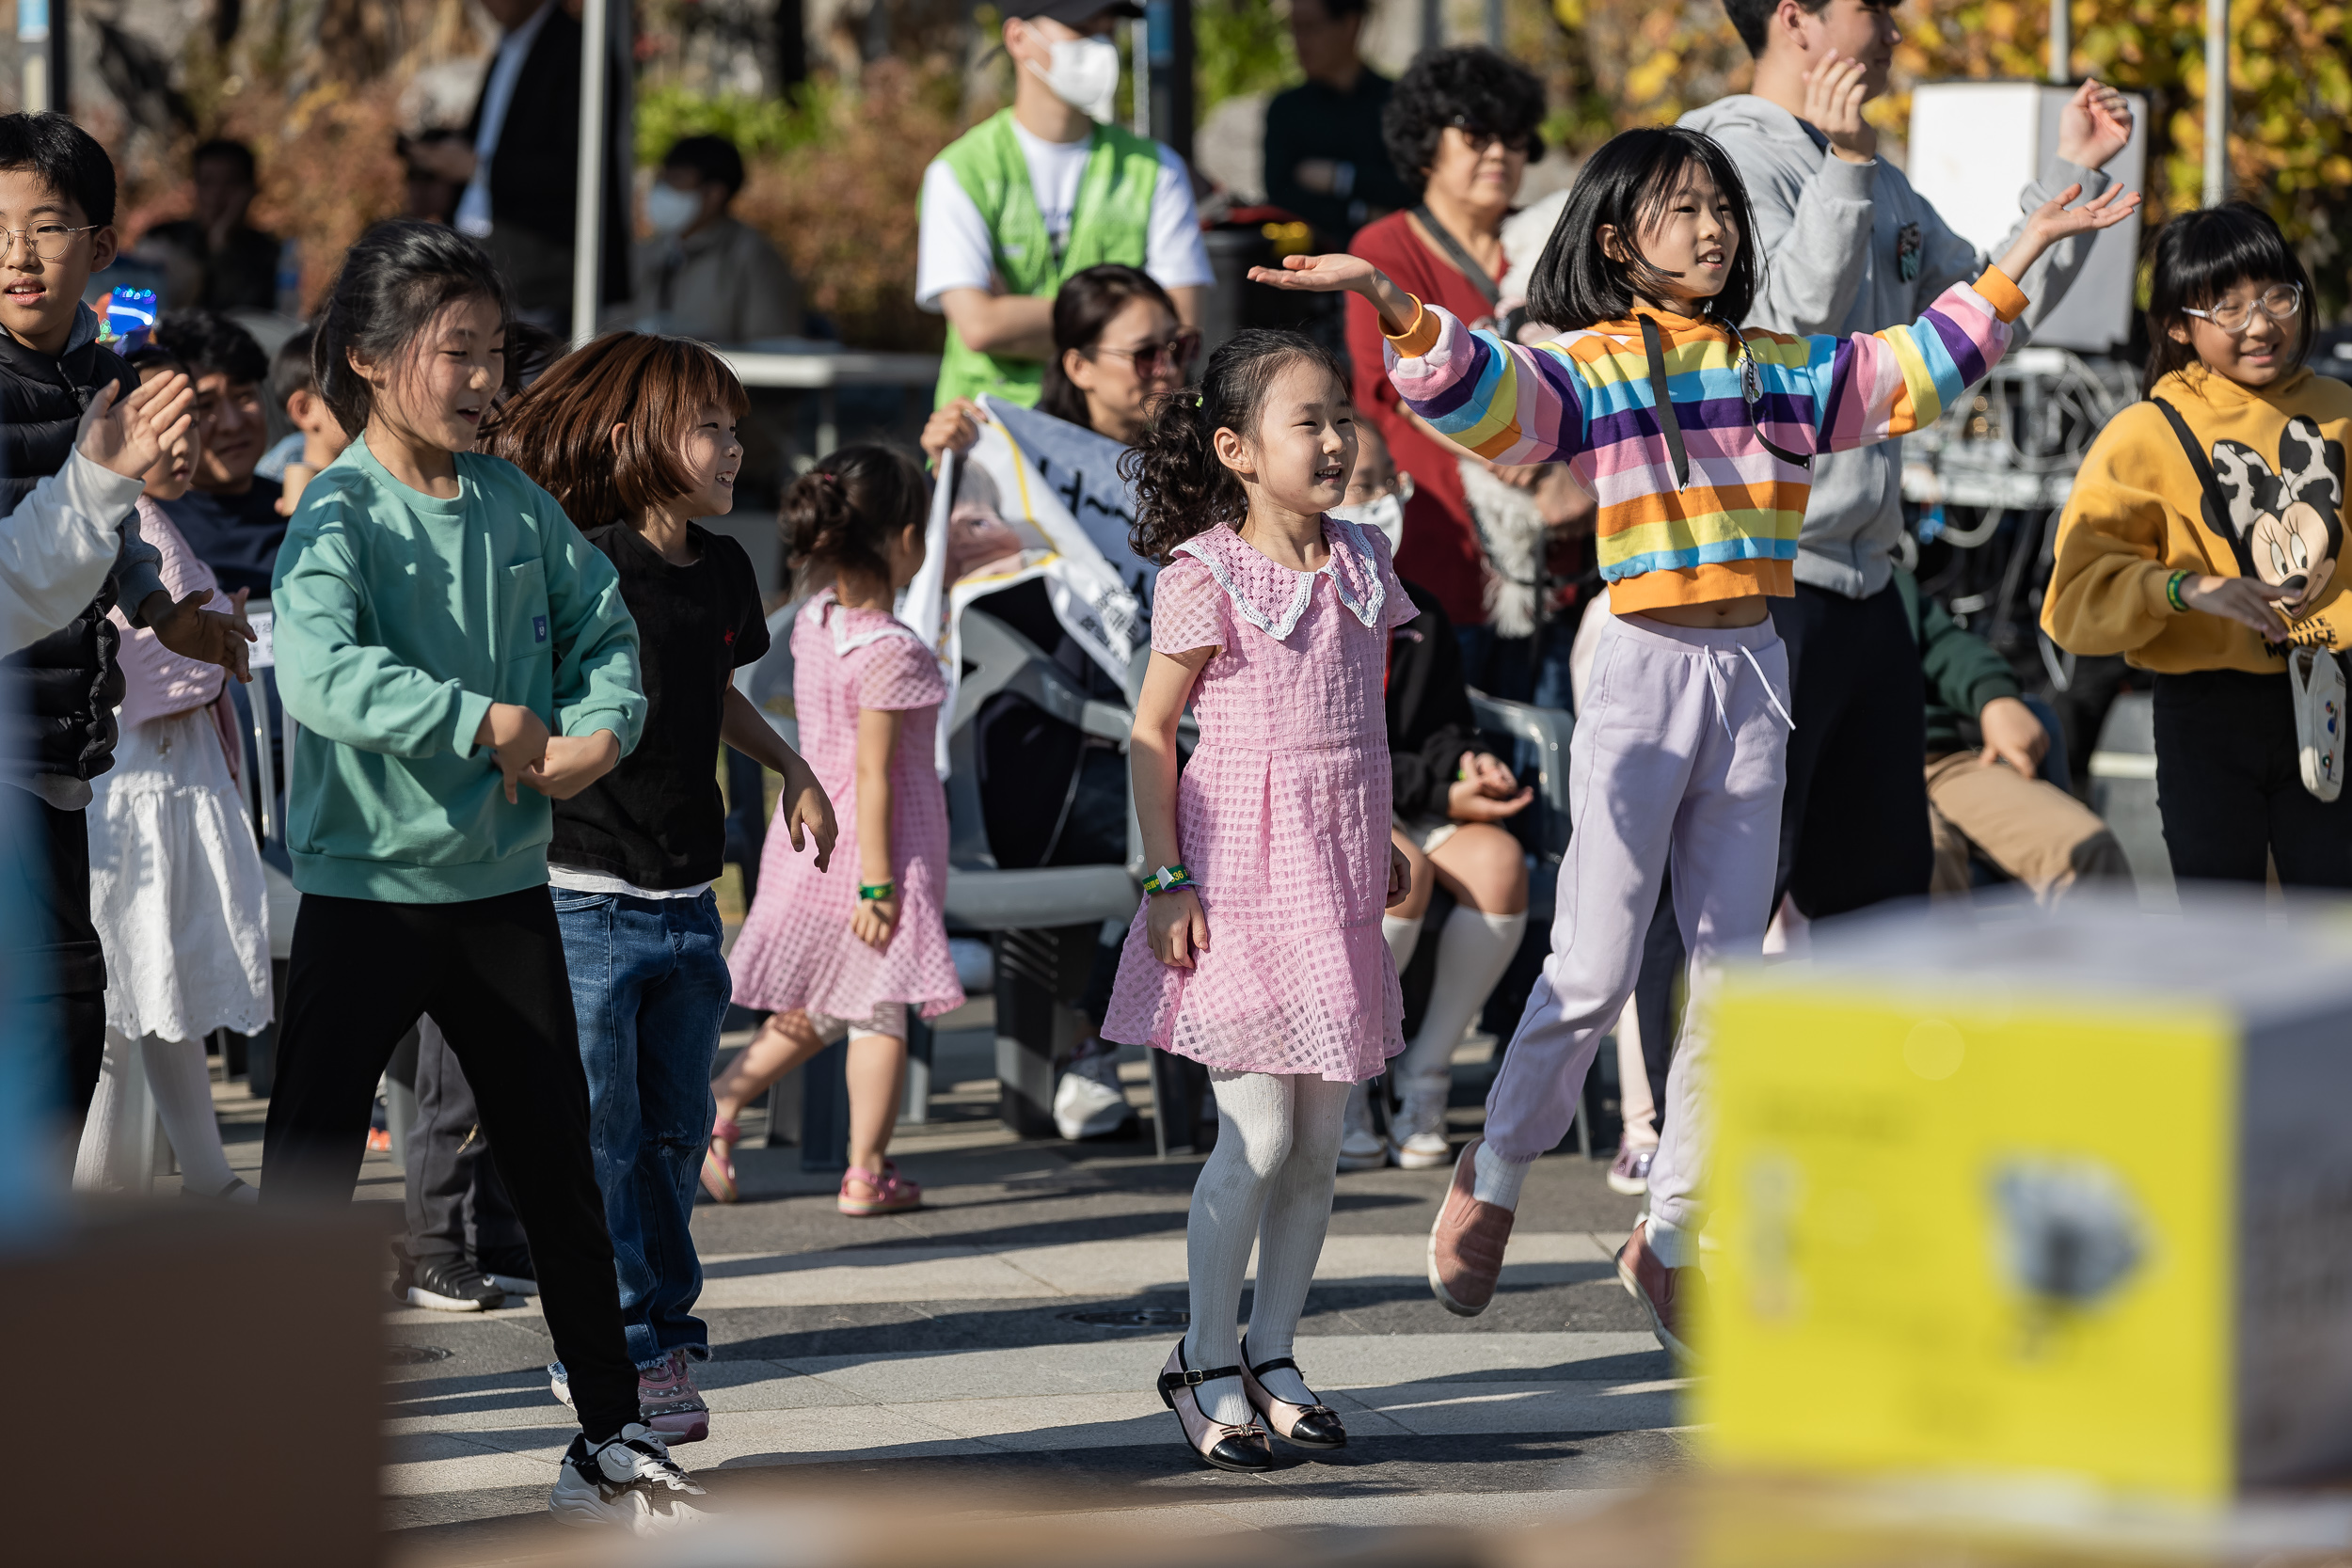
{"points": [[1174, 356], [1480, 139]]}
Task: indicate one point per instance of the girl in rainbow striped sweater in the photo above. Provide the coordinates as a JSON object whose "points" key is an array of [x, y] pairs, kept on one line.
{"points": [[1696, 438]]}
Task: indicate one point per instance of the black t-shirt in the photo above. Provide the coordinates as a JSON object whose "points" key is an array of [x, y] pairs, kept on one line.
{"points": [[237, 536], [657, 820]]}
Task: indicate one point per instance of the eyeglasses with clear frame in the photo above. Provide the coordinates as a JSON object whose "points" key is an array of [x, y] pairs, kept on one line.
{"points": [[48, 241], [2280, 302]]}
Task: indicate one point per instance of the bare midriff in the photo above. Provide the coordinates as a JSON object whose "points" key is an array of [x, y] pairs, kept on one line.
{"points": [[1746, 611]]}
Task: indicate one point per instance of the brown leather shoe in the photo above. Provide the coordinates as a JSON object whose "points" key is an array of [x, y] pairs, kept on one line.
{"points": [[1668, 1295], [1466, 1245]]}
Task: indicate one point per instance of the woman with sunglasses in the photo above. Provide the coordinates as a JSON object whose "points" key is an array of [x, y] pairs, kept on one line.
{"points": [[1461, 128], [2203, 541]]}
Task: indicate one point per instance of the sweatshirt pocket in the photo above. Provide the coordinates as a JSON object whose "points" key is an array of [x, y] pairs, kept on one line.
{"points": [[527, 624]]}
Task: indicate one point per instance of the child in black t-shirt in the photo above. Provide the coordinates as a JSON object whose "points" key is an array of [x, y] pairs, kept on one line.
{"points": [[635, 435]]}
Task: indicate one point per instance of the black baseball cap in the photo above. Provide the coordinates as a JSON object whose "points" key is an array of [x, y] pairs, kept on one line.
{"points": [[1071, 13]]}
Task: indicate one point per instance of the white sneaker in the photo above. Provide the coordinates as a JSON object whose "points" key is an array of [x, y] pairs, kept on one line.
{"points": [[1418, 1129], [1360, 1147], [629, 1480]]}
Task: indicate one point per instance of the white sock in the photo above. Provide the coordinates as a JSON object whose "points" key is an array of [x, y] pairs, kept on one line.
{"points": [[183, 1087], [1290, 1238], [1276, 1154], [1474, 950], [1495, 1180], [1403, 937], [115, 1154]]}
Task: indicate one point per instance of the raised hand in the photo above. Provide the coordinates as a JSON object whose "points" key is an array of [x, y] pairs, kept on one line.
{"points": [[1337, 273], [1833, 92], [2055, 220], [190, 631], [131, 437], [2095, 126]]}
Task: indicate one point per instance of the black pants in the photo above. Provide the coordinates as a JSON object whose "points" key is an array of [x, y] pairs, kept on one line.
{"points": [[492, 971], [2231, 789], [1853, 823], [55, 959], [454, 1184]]}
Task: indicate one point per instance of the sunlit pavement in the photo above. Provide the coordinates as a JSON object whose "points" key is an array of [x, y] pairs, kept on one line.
{"points": [[1002, 1343]]}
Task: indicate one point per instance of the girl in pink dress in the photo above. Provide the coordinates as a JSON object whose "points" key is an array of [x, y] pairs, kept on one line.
{"points": [[852, 950], [1258, 951]]}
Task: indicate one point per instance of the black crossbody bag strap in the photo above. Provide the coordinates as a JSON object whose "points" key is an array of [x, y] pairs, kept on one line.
{"points": [[2217, 504], [1460, 258], [1667, 421]]}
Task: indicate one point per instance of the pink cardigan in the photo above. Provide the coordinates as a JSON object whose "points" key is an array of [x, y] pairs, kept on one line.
{"points": [[158, 682]]}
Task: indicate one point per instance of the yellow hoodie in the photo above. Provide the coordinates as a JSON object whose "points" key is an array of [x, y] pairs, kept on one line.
{"points": [[2137, 515]]}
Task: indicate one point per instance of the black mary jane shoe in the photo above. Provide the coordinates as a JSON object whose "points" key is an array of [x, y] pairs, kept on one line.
{"points": [[1243, 1448], [1305, 1426]]}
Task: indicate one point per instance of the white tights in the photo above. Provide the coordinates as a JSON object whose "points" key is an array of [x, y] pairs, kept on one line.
{"points": [[114, 1144], [1269, 1181]]}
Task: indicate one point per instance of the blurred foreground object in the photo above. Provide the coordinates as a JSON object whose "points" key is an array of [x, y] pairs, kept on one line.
{"points": [[2004, 1195], [157, 1304]]}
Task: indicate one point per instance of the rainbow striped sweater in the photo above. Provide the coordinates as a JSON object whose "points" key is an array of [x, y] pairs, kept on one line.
{"points": [[1585, 399]]}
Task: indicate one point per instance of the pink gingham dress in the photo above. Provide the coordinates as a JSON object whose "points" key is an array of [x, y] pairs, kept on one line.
{"points": [[796, 950], [1282, 814]]}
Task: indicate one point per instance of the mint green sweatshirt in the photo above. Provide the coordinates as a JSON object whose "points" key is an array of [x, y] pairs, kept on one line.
{"points": [[400, 619]]}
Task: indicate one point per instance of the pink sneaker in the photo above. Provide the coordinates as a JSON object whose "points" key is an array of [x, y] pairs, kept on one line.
{"points": [[670, 1403]]}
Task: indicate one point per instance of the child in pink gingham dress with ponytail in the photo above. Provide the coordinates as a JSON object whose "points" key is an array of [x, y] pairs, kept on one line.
{"points": [[1259, 950]]}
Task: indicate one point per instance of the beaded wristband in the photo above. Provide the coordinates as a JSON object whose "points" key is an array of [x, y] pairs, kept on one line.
{"points": [[874, 893], [2172, 590], [1167, 879]]}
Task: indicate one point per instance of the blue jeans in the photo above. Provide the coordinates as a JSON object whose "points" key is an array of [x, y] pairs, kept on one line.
{"points": [[649, 986]]}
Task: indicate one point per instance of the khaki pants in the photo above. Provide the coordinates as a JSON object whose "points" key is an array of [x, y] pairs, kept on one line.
{"points": [[2034, 831]]}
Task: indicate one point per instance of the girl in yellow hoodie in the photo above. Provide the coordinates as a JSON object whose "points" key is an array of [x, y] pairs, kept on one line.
{"points": [[2204, 541]]}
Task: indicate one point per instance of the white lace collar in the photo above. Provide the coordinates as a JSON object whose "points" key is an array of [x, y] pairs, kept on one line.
{"points": [[1227, 556], [845, 641]]}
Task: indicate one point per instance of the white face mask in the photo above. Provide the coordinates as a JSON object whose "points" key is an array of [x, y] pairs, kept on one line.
{"points": [[1083, 74], [671, 210], [1385, 513]]}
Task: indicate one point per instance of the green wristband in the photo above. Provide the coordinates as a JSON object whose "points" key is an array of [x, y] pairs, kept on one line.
{"points": [[2172, 590], [874, 893]]}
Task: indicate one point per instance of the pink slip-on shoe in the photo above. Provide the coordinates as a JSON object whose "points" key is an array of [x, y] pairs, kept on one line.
{"points": [[1667, 1295], [1466, 1243], [893, 1193], [719, 1161]]}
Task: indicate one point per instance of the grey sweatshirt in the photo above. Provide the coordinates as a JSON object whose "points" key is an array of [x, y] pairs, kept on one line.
{"points": [[1830, 234]]}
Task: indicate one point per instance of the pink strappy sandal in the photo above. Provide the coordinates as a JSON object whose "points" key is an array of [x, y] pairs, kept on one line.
{"points": [[719, 1161], [894, 1192]]}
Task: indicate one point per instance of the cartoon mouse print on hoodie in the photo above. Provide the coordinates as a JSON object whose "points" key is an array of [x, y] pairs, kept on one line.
{"points": [[2285, 524]]}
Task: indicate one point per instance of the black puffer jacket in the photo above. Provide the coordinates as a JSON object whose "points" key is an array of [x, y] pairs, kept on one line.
{"points": [[67, 682]]}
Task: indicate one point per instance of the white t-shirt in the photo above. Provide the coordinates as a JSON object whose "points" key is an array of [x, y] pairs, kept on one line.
{"points": [[954, 251]]}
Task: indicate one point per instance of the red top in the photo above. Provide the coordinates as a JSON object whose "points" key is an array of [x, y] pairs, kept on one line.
{"points": [[1440, 550]]}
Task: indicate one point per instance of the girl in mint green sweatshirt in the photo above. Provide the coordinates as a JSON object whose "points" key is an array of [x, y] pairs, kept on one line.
{"points": [[455, 655]]}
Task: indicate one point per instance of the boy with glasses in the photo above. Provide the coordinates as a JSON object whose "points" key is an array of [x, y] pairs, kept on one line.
{"points": [[58, 209]]}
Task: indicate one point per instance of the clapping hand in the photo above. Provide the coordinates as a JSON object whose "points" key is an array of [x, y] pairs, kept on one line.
{"points": [[2095, 126], [1485, 791], [131, 437], [1833, 92], [206, 636]]}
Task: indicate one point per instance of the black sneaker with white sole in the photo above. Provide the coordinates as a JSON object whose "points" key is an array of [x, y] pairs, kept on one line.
{"points": [[630, 1481], [509, 1268], [449, 1285]]}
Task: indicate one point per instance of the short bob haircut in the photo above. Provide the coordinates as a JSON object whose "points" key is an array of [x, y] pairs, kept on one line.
{"points": [[1472, 85], [1627, 185], [1081, 309], [395, 281], [2200, 257], [561, 431], [65, 157]]}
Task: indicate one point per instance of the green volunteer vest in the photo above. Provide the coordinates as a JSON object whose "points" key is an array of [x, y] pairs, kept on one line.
{"points": [[1112, 223]]}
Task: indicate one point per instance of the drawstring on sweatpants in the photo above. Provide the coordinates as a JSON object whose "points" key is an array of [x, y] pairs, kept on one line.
{"points": [[1723, 695]]}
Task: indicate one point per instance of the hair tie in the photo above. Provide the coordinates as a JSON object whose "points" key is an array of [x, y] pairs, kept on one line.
{"points": [[1191, 399], [831, 481]]}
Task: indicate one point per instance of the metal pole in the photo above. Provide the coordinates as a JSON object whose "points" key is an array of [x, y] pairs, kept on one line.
{"points": [[1432, 24], [1139, 72], [2061, 40], [588, 226], [32, 48], [2216, 102], [1494, 25]]}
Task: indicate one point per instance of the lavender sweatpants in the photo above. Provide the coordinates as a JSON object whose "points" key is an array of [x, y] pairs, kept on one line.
{"points": [[1679, 751]]}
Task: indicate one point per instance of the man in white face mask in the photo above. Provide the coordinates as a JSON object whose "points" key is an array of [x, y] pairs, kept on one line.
{"points": [[706, 274], [1041, 191]]}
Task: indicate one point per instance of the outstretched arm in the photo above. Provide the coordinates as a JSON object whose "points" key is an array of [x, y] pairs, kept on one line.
{"points": [[1504, 402]]}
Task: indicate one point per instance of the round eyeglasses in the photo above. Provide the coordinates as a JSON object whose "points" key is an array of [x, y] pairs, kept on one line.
{"points": [[2280, 302], [48, 241]]}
